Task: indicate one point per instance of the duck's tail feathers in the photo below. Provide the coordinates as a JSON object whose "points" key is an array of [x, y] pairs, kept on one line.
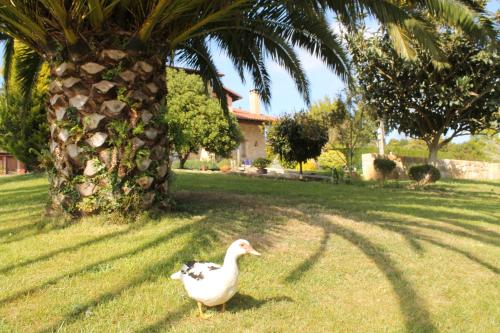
{"points": [[176, 275]]}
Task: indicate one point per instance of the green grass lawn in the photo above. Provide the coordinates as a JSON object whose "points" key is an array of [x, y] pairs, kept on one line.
{"points": [[336, 258]]}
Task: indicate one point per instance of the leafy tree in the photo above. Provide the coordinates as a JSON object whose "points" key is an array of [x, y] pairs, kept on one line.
{"points": [[23, 128], [332, 159], [350, 125], [196, 120], [107, 59], [424, 101], [297, 138]]}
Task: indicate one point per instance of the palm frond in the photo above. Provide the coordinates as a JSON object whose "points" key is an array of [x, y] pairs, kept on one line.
{"points": [[96, 13], [196, 54], [8, 52], [27, 66]]}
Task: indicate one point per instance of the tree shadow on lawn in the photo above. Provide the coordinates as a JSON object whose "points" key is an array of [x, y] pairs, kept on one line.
{"points": [[5, 180], [15, 196], [413, 307], [204, 235], [82, 270], [77, 246]]}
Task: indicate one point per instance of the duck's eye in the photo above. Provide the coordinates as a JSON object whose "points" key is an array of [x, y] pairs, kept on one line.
{"points": [[242, 245]]}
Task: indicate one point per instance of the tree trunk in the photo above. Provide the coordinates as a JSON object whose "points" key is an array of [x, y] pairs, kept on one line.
{"points": [[182, 160], [300, 171], [381, 136], [349, 164], [433, 148], [108, 143]]}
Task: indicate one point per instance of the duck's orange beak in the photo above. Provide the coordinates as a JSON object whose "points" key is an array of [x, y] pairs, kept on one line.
{"points": [[251, 250]]}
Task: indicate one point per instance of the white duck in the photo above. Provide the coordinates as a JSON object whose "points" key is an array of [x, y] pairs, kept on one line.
{"points": [[211, 284]]}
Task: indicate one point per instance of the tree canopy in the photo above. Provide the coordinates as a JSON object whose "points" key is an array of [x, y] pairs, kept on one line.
{"points": [[349, 123], [297, 138], [195, 119], [424, 101], [248, 31]]}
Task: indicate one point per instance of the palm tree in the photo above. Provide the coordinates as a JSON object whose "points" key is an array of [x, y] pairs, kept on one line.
{"points": [[107, 60]]}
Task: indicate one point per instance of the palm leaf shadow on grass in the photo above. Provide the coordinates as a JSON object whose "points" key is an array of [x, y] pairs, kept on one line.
{"points": [[414, 236], [413, 307], [71, 248], [482, 236], [206, 232], [417, 317], [143, 247]]}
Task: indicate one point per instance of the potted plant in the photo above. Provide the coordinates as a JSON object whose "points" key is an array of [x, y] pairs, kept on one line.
{"points": [[261, 164]]}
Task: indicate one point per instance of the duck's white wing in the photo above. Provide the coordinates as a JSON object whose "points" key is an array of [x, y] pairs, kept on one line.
{"points": [[198, 270]]}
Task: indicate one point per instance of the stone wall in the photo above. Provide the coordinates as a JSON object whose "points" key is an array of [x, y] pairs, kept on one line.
{"points": [[450, 169]]}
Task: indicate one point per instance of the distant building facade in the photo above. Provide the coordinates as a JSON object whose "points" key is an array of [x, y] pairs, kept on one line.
{"points": [[10, 165], [252, 124]]}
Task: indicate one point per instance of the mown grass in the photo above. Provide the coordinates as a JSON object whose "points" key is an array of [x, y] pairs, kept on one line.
{"points": [[336, 258]]}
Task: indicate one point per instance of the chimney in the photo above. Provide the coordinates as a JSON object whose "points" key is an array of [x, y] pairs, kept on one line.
{"points": [[254, 101]]}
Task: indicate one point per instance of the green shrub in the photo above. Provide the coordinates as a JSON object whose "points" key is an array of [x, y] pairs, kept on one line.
{"points": [[261, 163], [224, 163], [23, 127], [384, 166], [197, 165], [331, 159], [309, 165], [424, 174]]}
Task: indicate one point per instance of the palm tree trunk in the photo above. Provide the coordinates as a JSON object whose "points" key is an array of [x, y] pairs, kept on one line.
{"points": [[108, 141]]}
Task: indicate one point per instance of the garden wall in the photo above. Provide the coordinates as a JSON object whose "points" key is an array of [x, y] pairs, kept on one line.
{"points": [[451, 169]]}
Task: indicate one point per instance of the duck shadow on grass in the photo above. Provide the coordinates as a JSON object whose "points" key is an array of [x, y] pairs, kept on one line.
{"points": [[240, 302], [243, 302]]}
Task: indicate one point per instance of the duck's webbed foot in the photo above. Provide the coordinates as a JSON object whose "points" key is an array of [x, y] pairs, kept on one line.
{"points": [[223, 307], [201, 314]]}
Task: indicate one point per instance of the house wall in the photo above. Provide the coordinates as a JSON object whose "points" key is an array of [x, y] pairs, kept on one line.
{"points": [[451, 169], [254, 145], [9, 165]]}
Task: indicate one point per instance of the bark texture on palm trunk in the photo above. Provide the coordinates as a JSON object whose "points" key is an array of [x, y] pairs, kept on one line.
{"points": [[108, 139]]}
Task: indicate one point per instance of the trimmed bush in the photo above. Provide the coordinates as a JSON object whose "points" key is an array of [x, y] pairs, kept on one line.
{"points": [[384, 166], [424, 174], [224, 165], [261, 163], [197, 165]]}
